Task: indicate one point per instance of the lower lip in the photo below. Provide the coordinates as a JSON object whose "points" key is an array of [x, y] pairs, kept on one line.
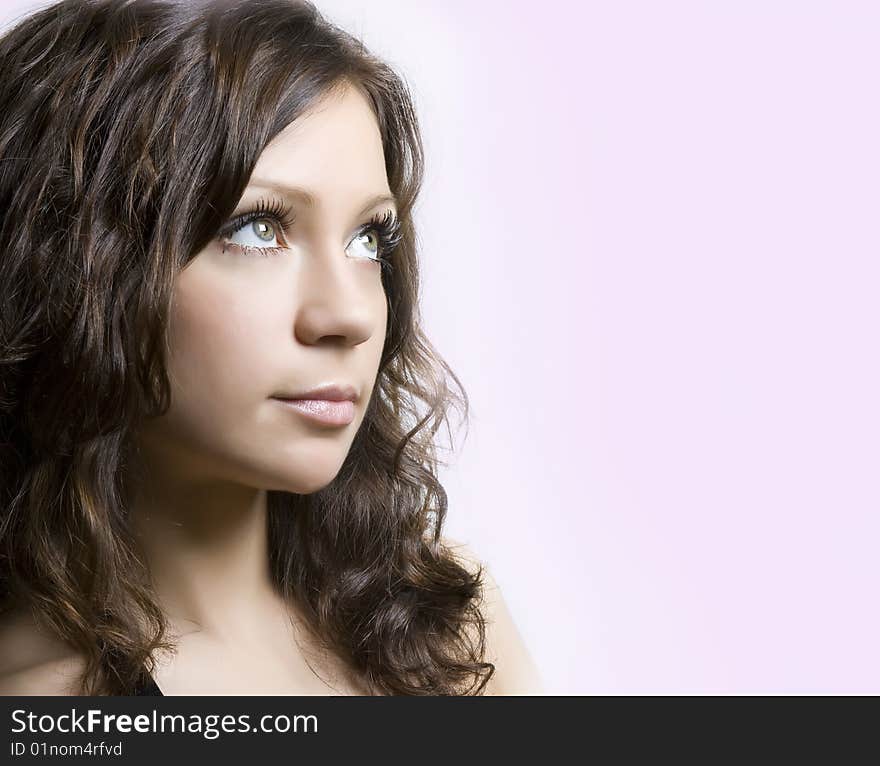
{"points": [[322, 411]]}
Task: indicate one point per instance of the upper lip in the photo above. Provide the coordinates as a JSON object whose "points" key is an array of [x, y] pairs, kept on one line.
{"points": [[332, 392]]}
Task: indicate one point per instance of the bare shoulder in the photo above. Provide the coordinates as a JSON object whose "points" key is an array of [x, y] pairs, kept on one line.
{"points": [[515, 669], [31, 661]]}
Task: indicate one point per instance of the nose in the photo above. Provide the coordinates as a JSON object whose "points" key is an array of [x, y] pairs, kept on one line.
{"points": [[336, 302]]}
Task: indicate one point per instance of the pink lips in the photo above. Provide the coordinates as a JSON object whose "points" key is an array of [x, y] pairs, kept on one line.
{"points": [[330, 404], [325, 411]]}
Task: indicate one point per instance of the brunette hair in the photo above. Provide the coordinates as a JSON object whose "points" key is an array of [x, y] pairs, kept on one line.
{"points": [[128, 132]]}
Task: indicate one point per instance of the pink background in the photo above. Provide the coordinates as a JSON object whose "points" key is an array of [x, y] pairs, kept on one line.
{"points": [[650, 252]]}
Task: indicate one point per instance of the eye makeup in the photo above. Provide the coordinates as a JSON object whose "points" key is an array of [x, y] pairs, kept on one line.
{"points": [[274, 211], [386, 227]]}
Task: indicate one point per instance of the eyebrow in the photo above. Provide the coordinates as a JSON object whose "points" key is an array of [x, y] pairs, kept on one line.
{"points": [[308, 199]]}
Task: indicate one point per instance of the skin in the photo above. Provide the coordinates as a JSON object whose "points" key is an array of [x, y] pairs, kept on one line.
{"points": [[243, 328]]}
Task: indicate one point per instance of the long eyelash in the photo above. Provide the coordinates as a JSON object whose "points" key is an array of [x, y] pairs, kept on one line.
{"points": [[275, 211], [388, 229], [386, 226]]}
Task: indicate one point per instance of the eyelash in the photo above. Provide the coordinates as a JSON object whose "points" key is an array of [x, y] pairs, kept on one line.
{"points": [[387, 227]]}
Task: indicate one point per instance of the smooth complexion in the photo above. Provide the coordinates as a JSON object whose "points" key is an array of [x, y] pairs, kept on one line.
{"points": [[245, 327]]}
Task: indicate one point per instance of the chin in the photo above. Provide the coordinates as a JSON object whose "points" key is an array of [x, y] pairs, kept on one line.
{"points": [[295, 485], [308, 487], [300, 471], [304, 482]]}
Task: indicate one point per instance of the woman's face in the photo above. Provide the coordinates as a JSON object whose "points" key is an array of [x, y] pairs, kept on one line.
{"points": [[251, 325]]}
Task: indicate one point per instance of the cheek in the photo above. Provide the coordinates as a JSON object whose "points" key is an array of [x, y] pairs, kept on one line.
{"points": [[219, 340]]}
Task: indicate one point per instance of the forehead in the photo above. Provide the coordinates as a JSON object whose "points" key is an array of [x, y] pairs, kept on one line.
{"points": [[335, 144]]}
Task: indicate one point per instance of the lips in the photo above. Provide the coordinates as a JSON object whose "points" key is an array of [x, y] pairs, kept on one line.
{"points": [[331, 404], [331, 392]]}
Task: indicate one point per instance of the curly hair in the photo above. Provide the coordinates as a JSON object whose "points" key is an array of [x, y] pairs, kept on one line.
{"points": [[128, 132]]}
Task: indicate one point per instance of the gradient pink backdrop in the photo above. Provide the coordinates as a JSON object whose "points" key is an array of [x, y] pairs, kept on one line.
{"points": [[650, 248]]}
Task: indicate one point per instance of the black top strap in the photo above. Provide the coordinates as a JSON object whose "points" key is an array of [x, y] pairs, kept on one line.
{"points": [[148, 689]]}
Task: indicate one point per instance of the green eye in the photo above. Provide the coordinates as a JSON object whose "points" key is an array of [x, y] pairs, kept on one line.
{"points": [[263, 229], [265, 222], [374, 238], [380, 237], [372, 242]]}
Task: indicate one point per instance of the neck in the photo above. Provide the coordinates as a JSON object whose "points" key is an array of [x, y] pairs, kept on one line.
{"points": [[206, 545]]}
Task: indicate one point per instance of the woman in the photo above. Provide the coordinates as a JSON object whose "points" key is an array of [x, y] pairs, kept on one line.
{"points": [[217, 406]]}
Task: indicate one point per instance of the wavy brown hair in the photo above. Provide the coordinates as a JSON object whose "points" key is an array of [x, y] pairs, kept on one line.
{"points": [[128, 132]]}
